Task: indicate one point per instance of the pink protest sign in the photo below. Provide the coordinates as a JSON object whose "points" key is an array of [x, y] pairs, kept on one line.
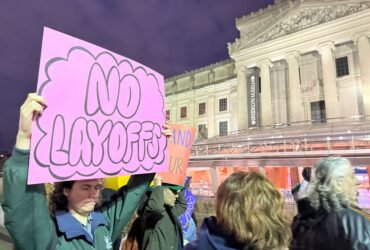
{"points": [[104, 116]]}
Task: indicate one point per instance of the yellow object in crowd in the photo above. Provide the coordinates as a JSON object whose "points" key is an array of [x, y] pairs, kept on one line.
{"points": [[117, 182]]}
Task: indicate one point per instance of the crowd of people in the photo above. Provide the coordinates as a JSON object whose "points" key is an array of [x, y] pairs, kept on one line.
{"points": [[249, 210]]}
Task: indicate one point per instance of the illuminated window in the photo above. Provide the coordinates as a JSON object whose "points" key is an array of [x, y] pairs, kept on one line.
{"points": [[223, 128], [223, 104], [318, 113], [202, 131], [168, 114], [183, 112], [341, 65], [202, 108]]}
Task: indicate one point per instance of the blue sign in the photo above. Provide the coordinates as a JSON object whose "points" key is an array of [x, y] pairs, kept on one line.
{"points": [[190, 205]]}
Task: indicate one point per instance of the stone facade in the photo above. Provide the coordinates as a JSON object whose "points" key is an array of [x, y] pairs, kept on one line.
{"points": [[310, 55], [200, 92]]}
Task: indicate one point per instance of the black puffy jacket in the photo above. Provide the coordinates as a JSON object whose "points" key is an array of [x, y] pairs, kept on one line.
{"points": [[318, 229]]}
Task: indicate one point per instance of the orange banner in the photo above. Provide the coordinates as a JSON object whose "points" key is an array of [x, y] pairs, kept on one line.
{"points": [[179, 148], [278, 176], [294, 176], [254, 169]]}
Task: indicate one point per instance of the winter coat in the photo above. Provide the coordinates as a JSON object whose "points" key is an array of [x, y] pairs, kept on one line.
{"points": [[162, 227], [318, 229], [212, 237], [28, 220]]}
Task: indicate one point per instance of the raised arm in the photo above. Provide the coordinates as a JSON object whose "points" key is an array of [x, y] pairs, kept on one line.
{"points": [[122, 205], [154, 208], [31, 108], [26, 212]]}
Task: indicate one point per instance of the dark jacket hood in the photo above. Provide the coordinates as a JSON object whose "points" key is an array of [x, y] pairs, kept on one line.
{"points": [[309, 216], [211, 236]]}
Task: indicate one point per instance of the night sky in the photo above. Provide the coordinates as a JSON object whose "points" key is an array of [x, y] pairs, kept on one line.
{"points": [[169, 36]]}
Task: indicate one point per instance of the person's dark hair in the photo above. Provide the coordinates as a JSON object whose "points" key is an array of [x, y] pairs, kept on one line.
{"points": [[58, 201], [135, 235], [306, 173]]}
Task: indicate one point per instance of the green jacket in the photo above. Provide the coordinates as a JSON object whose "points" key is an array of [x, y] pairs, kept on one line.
{"points": [[163, 230], [28, 220]]}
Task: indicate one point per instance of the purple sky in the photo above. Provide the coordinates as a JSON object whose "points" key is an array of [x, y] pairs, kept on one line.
{"points": [[169, 36]]}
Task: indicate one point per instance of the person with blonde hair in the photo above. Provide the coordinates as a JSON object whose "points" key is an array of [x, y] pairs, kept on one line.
{"points": [[328, 218], [249, 215]]}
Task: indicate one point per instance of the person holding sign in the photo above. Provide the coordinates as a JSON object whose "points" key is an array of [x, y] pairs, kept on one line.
{"points": [[160, 213], [160, 218], [77, 220]]}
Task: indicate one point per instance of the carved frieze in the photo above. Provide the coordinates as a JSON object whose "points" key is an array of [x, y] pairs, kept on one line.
{"points": [[304, 18], [309, 17]]}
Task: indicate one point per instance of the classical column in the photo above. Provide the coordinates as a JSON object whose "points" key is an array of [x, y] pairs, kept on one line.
{"points": [[191, 113], [296, 109], [242, 99], [173, 113], [265, 101], [211, 116], [332, 105], [214, 178], [234, 108], [363, 48]]}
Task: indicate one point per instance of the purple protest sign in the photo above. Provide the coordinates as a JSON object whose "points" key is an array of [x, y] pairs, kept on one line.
{"points": [[104, 115], [190, 205]]}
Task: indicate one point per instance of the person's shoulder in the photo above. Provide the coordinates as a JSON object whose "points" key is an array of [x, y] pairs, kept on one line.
{"points": [[355, 213], [355, 219], [356, 223], [304, 184]]}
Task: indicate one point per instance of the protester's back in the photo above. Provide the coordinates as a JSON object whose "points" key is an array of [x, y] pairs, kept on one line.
{"points": [[249, 215], [328, 218]]}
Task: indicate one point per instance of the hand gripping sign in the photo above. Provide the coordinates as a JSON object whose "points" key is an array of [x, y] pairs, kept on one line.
{"points": [[179, 148], [104, 117]]}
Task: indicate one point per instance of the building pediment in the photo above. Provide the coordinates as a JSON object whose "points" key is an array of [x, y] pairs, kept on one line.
{"points": [[295, 16]]}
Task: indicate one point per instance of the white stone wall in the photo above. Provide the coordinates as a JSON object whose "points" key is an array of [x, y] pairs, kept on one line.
{"points": [[279, 92], [311, 81], [294, 45], [349, 85], [209, 86]]}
